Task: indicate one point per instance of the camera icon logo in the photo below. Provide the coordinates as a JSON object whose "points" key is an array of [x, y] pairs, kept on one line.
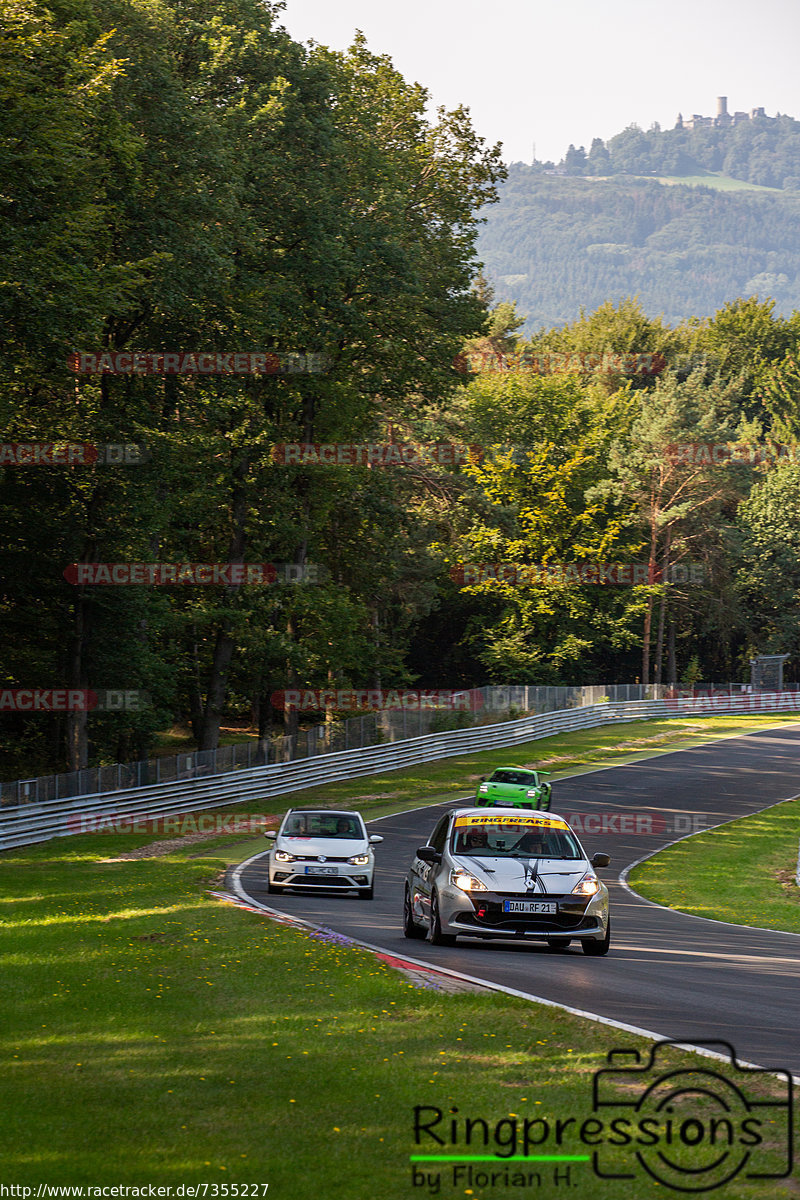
{"points": [[691, 1129]]}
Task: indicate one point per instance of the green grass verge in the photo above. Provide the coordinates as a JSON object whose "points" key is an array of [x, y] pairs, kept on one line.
{"points": [[742, 872], [153, 1035]]}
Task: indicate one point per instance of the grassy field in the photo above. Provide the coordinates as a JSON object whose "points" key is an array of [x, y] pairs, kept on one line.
{"points": [[712, 179], [152, 1034], [742, 872]]}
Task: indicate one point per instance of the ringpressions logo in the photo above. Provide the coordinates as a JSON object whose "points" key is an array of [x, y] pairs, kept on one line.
{"points": [[690, 1129]]}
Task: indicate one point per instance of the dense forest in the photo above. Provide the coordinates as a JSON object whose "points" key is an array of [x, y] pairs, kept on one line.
{"points": [[556, 244], [187, 181]]}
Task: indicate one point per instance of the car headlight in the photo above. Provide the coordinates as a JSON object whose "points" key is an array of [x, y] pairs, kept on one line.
{"points": [[587, 886], [467, 882], [359, 860], [484, 787], [531, 793], [282, 856]]}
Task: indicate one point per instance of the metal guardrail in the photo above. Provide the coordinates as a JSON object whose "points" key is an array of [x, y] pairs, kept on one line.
{"points": [[369, 729], [23, 825]]}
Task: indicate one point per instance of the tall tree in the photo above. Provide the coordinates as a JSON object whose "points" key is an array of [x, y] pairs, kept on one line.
{"points": [[769, 566], [681, 502], [545, 442]]}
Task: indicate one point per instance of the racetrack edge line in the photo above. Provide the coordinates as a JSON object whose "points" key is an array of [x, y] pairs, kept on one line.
{"points": [[490, 986]]}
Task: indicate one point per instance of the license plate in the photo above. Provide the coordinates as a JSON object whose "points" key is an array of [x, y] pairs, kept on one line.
{"points": [[530, 906], [322, 870]]}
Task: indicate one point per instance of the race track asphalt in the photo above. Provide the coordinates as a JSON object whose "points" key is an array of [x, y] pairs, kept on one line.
{"points": [[668, 973]]}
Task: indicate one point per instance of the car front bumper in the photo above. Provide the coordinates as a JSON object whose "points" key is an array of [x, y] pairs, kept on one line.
{"points": [[339, 876], [481, 914]]}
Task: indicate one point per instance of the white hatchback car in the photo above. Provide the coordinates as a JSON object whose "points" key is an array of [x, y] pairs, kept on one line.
{"points": [[322, 848]]}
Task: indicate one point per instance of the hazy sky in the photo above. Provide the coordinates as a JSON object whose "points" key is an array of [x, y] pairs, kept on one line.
{"points": [[563, 71]]}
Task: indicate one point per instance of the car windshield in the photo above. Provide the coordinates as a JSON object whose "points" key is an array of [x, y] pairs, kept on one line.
{"points": [[322, 825], [522, 777], [509, 838]]}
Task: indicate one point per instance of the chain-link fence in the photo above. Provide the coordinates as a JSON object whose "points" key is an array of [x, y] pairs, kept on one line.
{"points": [[488, 706]]}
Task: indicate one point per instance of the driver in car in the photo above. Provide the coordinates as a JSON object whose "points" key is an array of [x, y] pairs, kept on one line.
{"points": [[532, 844], [474, 841]]}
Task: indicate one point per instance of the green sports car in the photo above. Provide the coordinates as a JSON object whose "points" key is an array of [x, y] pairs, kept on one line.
{"points": [[515, 787]]}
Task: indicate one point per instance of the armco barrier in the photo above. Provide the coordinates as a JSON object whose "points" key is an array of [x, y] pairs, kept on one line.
{"points": [[26, 824], [368, 729]]}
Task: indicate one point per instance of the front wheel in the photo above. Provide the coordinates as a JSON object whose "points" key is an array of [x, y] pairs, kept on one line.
{"points": [[437, 938], [366, 893], [592, 946], [410, 927]]}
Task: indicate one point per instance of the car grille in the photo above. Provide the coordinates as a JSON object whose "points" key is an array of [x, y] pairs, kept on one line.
{"points": [[317, 858], [324, 881]]}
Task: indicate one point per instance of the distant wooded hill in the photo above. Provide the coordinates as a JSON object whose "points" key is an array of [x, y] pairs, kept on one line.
{"points": [[557, 243], [764, 150]]}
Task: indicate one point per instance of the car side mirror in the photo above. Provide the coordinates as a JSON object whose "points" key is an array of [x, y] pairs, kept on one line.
{"points": [[428, 854], [271, 833], [483, 779], [600, 860], [374, 839]]}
